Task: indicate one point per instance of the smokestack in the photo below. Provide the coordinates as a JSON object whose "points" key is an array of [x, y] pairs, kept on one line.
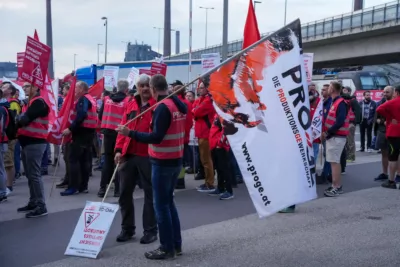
{"points": [[167, 28], [177, 42], [49, 37], [358, 5]]}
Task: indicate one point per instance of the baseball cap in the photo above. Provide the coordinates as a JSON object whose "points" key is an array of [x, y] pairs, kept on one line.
{"points": [[176, 82]]}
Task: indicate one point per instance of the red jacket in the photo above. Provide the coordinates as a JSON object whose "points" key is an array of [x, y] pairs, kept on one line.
{"points": [[313, 107], [391, 111], [203, 114], [126, 145], [189, 119], [217, 137]]}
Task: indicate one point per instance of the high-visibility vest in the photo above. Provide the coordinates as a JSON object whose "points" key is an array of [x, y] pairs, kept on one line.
{"points": [[172, 145], [39, 127], [91, 118], [113, 113], [331, 119]]}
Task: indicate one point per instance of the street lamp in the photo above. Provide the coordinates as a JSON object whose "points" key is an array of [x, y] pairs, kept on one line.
{"points": [[255, 3], [159, 35], [105, 48], [75, 61], [98, 53], [285, 12], [206, 8]]}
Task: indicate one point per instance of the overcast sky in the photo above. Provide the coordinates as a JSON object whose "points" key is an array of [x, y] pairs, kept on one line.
{"points": [[78, 28]]}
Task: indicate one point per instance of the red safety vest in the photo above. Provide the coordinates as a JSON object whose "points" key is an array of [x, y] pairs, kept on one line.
{"points": [[331, 119], [172, 145], [113, 113], [91, 118], [38, 128]]}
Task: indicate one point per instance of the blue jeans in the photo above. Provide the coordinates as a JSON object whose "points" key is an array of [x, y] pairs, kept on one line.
{"points": [[17, 157], [327, 166], [45, 158], [316, 151], [3, 174], [164, 180]]}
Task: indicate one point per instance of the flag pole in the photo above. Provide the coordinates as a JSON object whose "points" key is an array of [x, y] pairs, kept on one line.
{"points": [[237, 55]]}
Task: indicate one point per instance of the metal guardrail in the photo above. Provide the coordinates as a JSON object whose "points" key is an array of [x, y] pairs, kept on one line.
{"points": [[328, 26]]}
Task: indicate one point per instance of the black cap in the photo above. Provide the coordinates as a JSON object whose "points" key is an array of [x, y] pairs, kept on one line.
{"points": [[176, 82]]}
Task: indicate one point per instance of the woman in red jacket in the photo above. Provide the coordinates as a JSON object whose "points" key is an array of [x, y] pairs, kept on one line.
{"points": [[219, 146], [390, 110]]}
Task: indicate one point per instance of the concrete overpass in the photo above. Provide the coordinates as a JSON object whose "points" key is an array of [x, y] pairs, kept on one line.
{"points": [[366, 37]]}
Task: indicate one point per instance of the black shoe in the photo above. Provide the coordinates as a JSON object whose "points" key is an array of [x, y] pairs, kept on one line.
{"points": [[389, 184], [381, 177], [3, 198], [199, 177], [26, 208], [189, 171], [37, 212], [148, 238], [63, 184], [125, 236], [83, 190], [178, 251], [101, 192], [239, 179], [159, 254]]}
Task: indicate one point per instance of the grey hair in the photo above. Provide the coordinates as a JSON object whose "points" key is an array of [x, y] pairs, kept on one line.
{"points": [[84, 85], [143, 78], [123, 85]]}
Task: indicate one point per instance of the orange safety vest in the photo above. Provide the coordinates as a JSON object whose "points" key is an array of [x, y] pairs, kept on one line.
{"points": [[331, 119], [39, 127], [91, 118], [113, 113], [172, 145]]}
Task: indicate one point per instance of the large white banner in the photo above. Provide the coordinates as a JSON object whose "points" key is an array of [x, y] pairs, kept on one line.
{"points": [[316, 126], [92, 229], [209, 61], [110, 75], [308, 59], [267, 121]]}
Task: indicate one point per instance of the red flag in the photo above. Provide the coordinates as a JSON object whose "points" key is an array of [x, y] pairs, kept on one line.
{"points": [[63, 122], [97, 89], [48, 95], [251, 32]]}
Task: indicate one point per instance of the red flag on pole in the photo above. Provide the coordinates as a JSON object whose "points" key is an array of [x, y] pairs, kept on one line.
{"points": [[97, 89], [251, 32]]}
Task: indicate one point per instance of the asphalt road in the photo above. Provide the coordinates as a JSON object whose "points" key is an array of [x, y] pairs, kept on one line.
{"points": [[38, 241]]}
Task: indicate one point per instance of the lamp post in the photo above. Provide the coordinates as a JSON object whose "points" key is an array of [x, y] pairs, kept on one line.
{"points": [[159, 36], [98, 53], [285, 12], [206, 8], [75, 61], [105, 48]]}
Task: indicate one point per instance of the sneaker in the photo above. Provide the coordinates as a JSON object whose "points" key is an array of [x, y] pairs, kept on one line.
{"points": [[226, 196], [101, 192], [205, 189], [369, 150], [397, 179], [214, 193], [17, 175], [350, 160], [8, 190], [343, 173], [26, 208], [37, 212], [361, 150], [189, 170], [3, 198], [63, 184], [117, 194], [84, 191], [332, 192], [389, 184], [381, 177], [159, 254], [125, 235], [148, 238], [199, 177], [178, 251], [239, 179], [69, 192]]}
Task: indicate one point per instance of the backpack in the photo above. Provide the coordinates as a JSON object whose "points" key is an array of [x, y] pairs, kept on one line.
{"points": [[11, 129]]}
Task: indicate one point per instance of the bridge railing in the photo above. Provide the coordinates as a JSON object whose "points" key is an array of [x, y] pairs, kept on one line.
{"points": [[328, 26]]}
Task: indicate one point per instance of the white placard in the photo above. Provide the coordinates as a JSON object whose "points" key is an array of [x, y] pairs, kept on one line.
{"points": [[209, 61], [110, 75], [308, 59], [92, 229], [132, 77]]}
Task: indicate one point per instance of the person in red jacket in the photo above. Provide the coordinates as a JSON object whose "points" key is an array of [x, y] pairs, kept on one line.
{"points": [[203, 114], [219, 146], [134, 164], [390, 110], [187, 153]]}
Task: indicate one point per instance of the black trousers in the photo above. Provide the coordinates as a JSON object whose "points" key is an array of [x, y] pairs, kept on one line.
{"points": [[132, 169], [366, 128], [221, 160], [80, 159], [66, 160], [108, 165]]}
